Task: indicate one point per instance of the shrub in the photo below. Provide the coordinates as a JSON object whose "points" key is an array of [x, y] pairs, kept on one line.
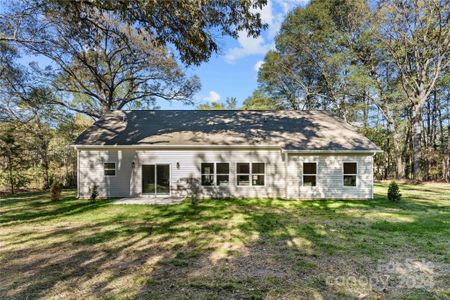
{"points": [[94, 193], [394, 192], [55, 190], [194, 187], [194, 199]]}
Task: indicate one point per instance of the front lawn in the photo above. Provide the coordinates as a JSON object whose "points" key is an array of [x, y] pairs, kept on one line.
{"points": [[252, 248]]}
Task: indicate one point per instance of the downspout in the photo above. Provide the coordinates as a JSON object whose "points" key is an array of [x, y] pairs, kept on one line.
{"points": [[373, 155], [286, 175], [78, 173]]}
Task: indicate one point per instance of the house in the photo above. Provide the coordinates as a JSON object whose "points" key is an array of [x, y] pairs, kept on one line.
{"points": [[264, 154]]}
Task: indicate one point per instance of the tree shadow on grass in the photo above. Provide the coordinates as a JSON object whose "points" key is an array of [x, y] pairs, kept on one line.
{"points": [[217, 249]]}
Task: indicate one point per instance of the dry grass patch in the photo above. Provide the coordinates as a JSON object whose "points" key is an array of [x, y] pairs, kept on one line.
{"points": [[260, 249]]}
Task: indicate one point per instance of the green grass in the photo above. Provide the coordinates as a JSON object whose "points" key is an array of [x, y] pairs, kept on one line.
{"points": [[240, 248]]}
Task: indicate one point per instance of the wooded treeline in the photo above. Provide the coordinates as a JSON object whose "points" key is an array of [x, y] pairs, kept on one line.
{"points": [[382, 66]]}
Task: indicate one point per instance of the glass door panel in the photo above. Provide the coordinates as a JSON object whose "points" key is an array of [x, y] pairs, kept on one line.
{"points": [[148, 179], [155, 179], [162, 179]]}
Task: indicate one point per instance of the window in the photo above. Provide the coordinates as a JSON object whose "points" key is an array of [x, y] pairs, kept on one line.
{"points": [[243, 173], [255, 171], [109, 169], [215, 174], [310, 174], [350, 173], [223, 174], [207, 173]]}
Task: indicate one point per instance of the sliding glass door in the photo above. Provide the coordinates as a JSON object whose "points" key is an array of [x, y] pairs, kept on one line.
{"points": [[156, 179]]}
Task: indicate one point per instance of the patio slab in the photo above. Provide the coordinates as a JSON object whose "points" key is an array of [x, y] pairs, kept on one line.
{"points": [[150, 200]]}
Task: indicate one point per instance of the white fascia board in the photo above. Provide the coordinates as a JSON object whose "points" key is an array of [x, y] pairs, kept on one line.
{"points": [[331, 151], [175, 146]]}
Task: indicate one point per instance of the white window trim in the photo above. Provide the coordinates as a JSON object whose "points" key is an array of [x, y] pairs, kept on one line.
{"points": [[115, 168], [214, 174], [343, 174], [307, 174], [250, 174]]}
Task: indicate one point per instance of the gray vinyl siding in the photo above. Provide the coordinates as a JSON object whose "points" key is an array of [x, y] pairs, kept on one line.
{"points": [[91, 172], [330, 177], [278, 183]]}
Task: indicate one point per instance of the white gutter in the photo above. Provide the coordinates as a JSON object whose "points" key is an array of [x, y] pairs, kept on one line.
{"points": [[330, 151], [142, 146], [139, 146]]}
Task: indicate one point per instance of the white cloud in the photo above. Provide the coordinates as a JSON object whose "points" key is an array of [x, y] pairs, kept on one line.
{"points": [[287, 5], [263, 43], [266, 13], [212, 97], [271, 19], [248, 46], [258, 65]]}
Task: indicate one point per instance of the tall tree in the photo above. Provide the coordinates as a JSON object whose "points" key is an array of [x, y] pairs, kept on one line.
{"points": [[14, 158], [230, 104], [416, 35], [192, 27], [108, 64], [260, 101], [311, 66]]}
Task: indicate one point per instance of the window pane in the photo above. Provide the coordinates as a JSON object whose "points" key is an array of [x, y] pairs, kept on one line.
{"points": [[243, 180], [309, 180], [257, 179], [162, 179], [222, 180], [110, 172], [258, 168], [148, 179], [207, 179], [309, 168], [207, 168], [349, 180], [109, 165], [350, 168], [223, 168], [243, 168]]}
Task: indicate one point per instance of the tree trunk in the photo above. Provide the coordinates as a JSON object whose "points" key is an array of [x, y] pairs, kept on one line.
{"points": [[46, 166], [416, 141], [399, 169], [366, 112], [448, 152], [395, 136], [10, 169]]}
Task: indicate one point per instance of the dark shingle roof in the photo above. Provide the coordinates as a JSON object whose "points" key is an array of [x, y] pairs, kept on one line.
{"points": [[290, 130]]}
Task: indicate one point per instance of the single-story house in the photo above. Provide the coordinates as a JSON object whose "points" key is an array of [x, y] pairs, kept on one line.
{"points": [[264, 154]]}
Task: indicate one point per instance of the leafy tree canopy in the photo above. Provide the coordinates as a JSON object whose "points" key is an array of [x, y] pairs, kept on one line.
{"points": [[192, 27]]}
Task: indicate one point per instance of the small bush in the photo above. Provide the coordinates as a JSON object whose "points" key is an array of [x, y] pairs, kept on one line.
{"points": [[56, 189], [194, 199], [94, 193], [394, 192]]}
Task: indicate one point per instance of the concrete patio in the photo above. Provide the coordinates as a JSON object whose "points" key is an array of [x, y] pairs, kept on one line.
{"points": [[150, 200]]}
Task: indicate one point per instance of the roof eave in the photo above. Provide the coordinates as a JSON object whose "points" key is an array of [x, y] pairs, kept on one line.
{"points": [[368, 151], [291, 151], [167, 146]]}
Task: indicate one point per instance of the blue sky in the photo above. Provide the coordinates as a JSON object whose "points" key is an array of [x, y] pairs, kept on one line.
{"points": [[233, 72]]}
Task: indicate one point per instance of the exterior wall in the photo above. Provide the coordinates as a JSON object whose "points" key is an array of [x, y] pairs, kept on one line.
{"points": [[127, 182], [90, 172], [330, 177]]}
